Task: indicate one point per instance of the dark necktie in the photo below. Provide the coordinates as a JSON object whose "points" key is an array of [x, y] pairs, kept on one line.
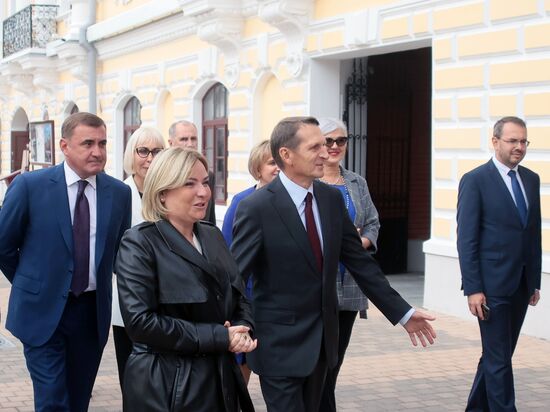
{"points": [[518, 195], [81, 241], [312, 234]]}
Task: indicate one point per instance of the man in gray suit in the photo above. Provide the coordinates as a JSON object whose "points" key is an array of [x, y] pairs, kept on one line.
{"points": [[290, 237]]}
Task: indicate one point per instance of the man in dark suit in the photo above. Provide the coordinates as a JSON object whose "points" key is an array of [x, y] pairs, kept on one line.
{"points": [[290, 237], [183, 133], [499, 249], [59, 232]]}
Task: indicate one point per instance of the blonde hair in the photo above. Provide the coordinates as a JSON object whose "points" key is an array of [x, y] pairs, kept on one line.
{"points": [[259, 153], [142, 135], [169, 170]]}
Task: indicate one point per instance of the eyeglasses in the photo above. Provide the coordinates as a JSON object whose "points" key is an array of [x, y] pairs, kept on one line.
{"points": [[144, 152], [515, 142], [340, 141]]}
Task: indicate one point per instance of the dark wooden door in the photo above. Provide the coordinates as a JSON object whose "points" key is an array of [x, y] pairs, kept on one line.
{"points": [[388, 157], [19, 142], [398, 151]]}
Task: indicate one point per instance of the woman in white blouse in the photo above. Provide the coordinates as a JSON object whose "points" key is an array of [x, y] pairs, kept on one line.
{"points": [[144, 144]]}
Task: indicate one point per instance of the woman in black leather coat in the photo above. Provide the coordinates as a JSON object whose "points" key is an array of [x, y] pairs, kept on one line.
{"points": [[181, 298]]}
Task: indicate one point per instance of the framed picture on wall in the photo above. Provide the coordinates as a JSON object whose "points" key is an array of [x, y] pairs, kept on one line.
{"points": [[41, 143]]}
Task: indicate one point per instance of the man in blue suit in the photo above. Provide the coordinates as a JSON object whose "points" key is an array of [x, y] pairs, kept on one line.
{"points": [[59, 232], [500, 253]]}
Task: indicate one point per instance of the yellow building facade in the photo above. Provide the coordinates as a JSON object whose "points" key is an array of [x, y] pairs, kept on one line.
{"points": [[153, 62]]}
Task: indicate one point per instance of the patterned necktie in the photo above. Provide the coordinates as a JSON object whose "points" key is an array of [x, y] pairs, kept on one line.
{"points": [[81, 241], [518, 195], [312, 234]]}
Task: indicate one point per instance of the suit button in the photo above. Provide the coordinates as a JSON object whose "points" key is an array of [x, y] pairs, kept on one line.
{"points": [[218, 297]]}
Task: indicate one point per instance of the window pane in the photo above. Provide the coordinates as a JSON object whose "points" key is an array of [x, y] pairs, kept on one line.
{"points": [[209, 146], [220, 141], [221, 101], [220, 171], [132, 113], [208, 105]]}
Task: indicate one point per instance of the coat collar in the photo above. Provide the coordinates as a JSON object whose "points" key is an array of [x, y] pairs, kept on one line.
{"points": [[180, 246], [60, 198]]}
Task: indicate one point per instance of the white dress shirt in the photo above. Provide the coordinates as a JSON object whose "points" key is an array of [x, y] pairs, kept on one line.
{"points": [[71, 178], [298, 195]]}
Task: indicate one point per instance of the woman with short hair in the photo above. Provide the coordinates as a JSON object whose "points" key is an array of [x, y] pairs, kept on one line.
{"points": [[144, 144], [362, 212]]}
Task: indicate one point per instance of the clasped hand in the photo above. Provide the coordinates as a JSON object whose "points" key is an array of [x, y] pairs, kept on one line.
{"points": [[239, 338]]}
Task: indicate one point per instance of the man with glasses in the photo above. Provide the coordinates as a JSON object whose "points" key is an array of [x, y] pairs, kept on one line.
{"points": [[499, 248], [184, 134]]}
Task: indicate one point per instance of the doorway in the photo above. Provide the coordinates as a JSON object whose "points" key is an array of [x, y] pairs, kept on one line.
{"points": [[19, 138], [388, 113]]}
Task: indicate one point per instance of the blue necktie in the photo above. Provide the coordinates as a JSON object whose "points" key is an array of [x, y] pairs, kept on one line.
{"points": [[81, 241], [518, 195]]}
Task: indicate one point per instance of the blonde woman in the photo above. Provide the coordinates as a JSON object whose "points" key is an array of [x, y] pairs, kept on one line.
{"points": [[181, 297]]}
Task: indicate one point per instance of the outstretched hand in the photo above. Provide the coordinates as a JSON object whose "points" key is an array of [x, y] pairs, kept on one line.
{"points": [[418, 326]]}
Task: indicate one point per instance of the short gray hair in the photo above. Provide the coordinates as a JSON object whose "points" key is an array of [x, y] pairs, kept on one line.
{"points": [[330, 124], [172, 129]]}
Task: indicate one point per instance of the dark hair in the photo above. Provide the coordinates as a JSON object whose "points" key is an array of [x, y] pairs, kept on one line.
{"points": [[284, 135], [76, 119], [497, 128]]}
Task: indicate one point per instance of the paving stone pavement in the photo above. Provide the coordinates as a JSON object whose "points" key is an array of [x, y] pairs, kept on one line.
{"points": [[382, 371]]}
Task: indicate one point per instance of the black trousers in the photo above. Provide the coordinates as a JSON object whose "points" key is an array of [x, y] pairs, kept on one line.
{"points": [[291, 394], [493, 387], [346, 319], [123, 349]]}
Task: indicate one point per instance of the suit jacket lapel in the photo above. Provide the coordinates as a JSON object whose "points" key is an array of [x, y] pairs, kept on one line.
{"points": [[60, 200], [104, 205], [289, 216], [529, 190]]}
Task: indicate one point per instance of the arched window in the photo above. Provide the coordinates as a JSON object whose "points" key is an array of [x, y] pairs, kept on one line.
{"points": [[132, 118], [214, 132]]}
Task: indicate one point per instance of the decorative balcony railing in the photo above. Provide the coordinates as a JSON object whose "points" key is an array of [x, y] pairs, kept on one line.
{"points": [[33, 26]]}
